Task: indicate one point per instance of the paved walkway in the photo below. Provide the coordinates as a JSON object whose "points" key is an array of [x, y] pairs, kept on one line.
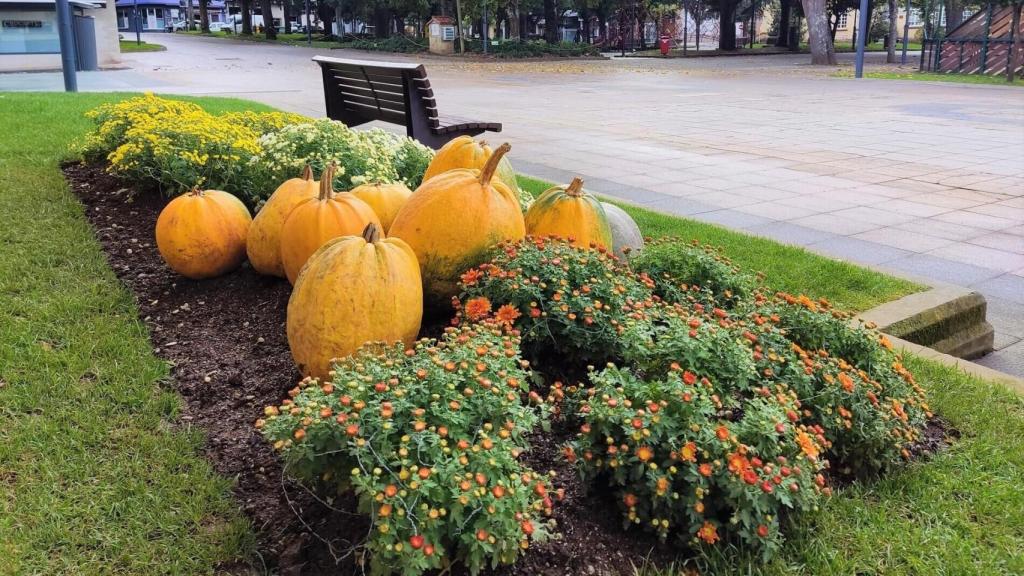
{"points": [[920, 179]]}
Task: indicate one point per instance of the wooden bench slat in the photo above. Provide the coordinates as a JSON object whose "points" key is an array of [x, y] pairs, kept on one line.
{"points": [[392, 97], [375, 113], [371, 101], [359, 80]]}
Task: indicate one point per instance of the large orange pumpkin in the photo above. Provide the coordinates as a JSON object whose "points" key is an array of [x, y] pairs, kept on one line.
{"points": [[353, 290], [385, 199], [264, 242], [453, 219], [202, 234], [570, 212], [464, 152], [316, 220]]}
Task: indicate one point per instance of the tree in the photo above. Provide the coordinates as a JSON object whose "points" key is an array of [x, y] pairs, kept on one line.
{"points": [[890, 56], [727, 24], [954, 13], [784, 22], [204, 17], [246, 15], [269, 30], [819, 39], [551, 19]]}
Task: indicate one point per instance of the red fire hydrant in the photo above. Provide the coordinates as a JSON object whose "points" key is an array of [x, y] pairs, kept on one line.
{"points": [[664, 43]]}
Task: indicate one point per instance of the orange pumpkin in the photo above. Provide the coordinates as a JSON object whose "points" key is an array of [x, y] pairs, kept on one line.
{"points": [[385, 199], [202, 234], [453, 219], [464, 152], [264, 242], [316, 220], [572, 213], [353, 290]]}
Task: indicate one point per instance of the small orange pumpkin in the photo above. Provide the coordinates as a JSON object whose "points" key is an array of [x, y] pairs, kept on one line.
{"points": [[202, 234], [316, 220], [353, 290], [572, 213], [453, 219], [264, 242], [385, 199]]}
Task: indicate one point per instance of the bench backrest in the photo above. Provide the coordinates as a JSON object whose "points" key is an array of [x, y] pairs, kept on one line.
{"points": [[360, 91]]}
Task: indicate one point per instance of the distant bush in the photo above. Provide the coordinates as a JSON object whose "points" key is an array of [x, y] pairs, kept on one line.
{"points": [[400, 44], [533, 49]]}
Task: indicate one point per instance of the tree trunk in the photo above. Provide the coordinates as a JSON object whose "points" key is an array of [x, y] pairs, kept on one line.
{"points": [[699, 21], [727, 24], [286, 15], [822, 52], [551, 21], [1015, 47], [954, 14], [585, 18], [784, 17], [245, 13], [326, 13], [268, 19], [381, 21], [204, 17], [890, 56], [513, 20], [524, 24]]}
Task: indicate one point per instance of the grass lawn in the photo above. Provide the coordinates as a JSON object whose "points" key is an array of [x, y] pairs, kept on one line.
{"points": [[937, 77], [132, 46], [289, 39], [96, 479], [788, 268]]}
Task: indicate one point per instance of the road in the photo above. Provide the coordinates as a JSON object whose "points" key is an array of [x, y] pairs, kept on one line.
{"points": [[919, 179]]}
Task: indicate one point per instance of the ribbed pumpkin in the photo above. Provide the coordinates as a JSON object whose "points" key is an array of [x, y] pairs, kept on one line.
{"points": [[264, 242], [316, 220], [453, 219], [464, 152], [353, 290], [385, 199], [625, 233], [202, 234], [569, 212]]}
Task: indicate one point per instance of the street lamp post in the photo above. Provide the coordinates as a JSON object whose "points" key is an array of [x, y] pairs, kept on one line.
{"points": [[67, 46], [138, 30], [309, 27], [906, 33], [861, 38]]}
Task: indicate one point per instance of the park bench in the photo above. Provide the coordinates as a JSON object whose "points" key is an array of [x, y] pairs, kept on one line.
{"points": [[359, 91]]}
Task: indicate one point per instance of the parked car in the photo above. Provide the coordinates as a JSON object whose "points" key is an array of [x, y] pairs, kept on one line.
{"points": [[177, 25]]}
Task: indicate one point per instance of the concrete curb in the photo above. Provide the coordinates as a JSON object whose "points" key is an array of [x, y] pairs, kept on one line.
{"points": [[1012, 382]]}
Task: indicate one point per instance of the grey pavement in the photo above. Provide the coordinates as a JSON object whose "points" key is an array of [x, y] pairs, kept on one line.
{"points": [[919, 179]]}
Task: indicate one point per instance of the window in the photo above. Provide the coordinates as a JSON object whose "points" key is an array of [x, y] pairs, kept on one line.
{"points": [[915, 17], [843, 19], [28, 32]]}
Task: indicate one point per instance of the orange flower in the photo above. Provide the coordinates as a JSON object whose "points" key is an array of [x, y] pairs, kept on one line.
{"points": [[807, 445], [705, 469], [507, 314], [708, 533], [477, 308], [689, 452], [738, 463], [662, 485], [644, 453], [471, 276], [846, 381], [722, 432]]}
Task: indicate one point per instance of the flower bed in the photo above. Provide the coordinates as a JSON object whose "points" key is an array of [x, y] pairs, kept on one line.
{"points": [[691, 403]]}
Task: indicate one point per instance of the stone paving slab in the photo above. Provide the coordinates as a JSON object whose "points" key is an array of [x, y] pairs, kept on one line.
{"points": [[921, 178]]}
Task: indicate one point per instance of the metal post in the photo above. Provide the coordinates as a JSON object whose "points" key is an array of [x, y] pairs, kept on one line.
{"points": [[458, 26], [984, 40], [686, 24], [862, 37], [309, 27], [138, 26], [483, 27], [67, 46], [906, 34], [940, 33]]}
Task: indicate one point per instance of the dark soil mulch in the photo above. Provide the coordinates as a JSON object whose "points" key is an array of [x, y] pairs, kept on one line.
{"points": [[225, 338]]}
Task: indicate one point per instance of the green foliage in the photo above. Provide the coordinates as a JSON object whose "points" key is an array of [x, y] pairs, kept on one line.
{"points": [[399, 44], [428, 439], [676, 267], [533, 49]]}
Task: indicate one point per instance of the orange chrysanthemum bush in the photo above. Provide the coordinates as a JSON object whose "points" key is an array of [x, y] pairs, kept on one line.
{"points": [[852, 384], [681, 463], [429, 439], [571, 301], [689, 271]]}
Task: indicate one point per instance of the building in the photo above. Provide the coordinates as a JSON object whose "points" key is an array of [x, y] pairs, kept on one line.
{"points": [[29, 39], [157, 15]]}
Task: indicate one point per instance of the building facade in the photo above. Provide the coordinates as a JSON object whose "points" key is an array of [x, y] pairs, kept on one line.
{"points": [[29, 40]]}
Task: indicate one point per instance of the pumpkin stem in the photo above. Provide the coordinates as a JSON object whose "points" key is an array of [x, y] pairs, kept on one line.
{"points": [[492, 163], [327, 182], [307, 172], [371, 233], [575, 188], [195, 191]]}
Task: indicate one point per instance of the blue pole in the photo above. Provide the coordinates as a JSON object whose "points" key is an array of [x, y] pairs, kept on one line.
{"points": [[862, 37], [67, 46], [138, 28]]}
